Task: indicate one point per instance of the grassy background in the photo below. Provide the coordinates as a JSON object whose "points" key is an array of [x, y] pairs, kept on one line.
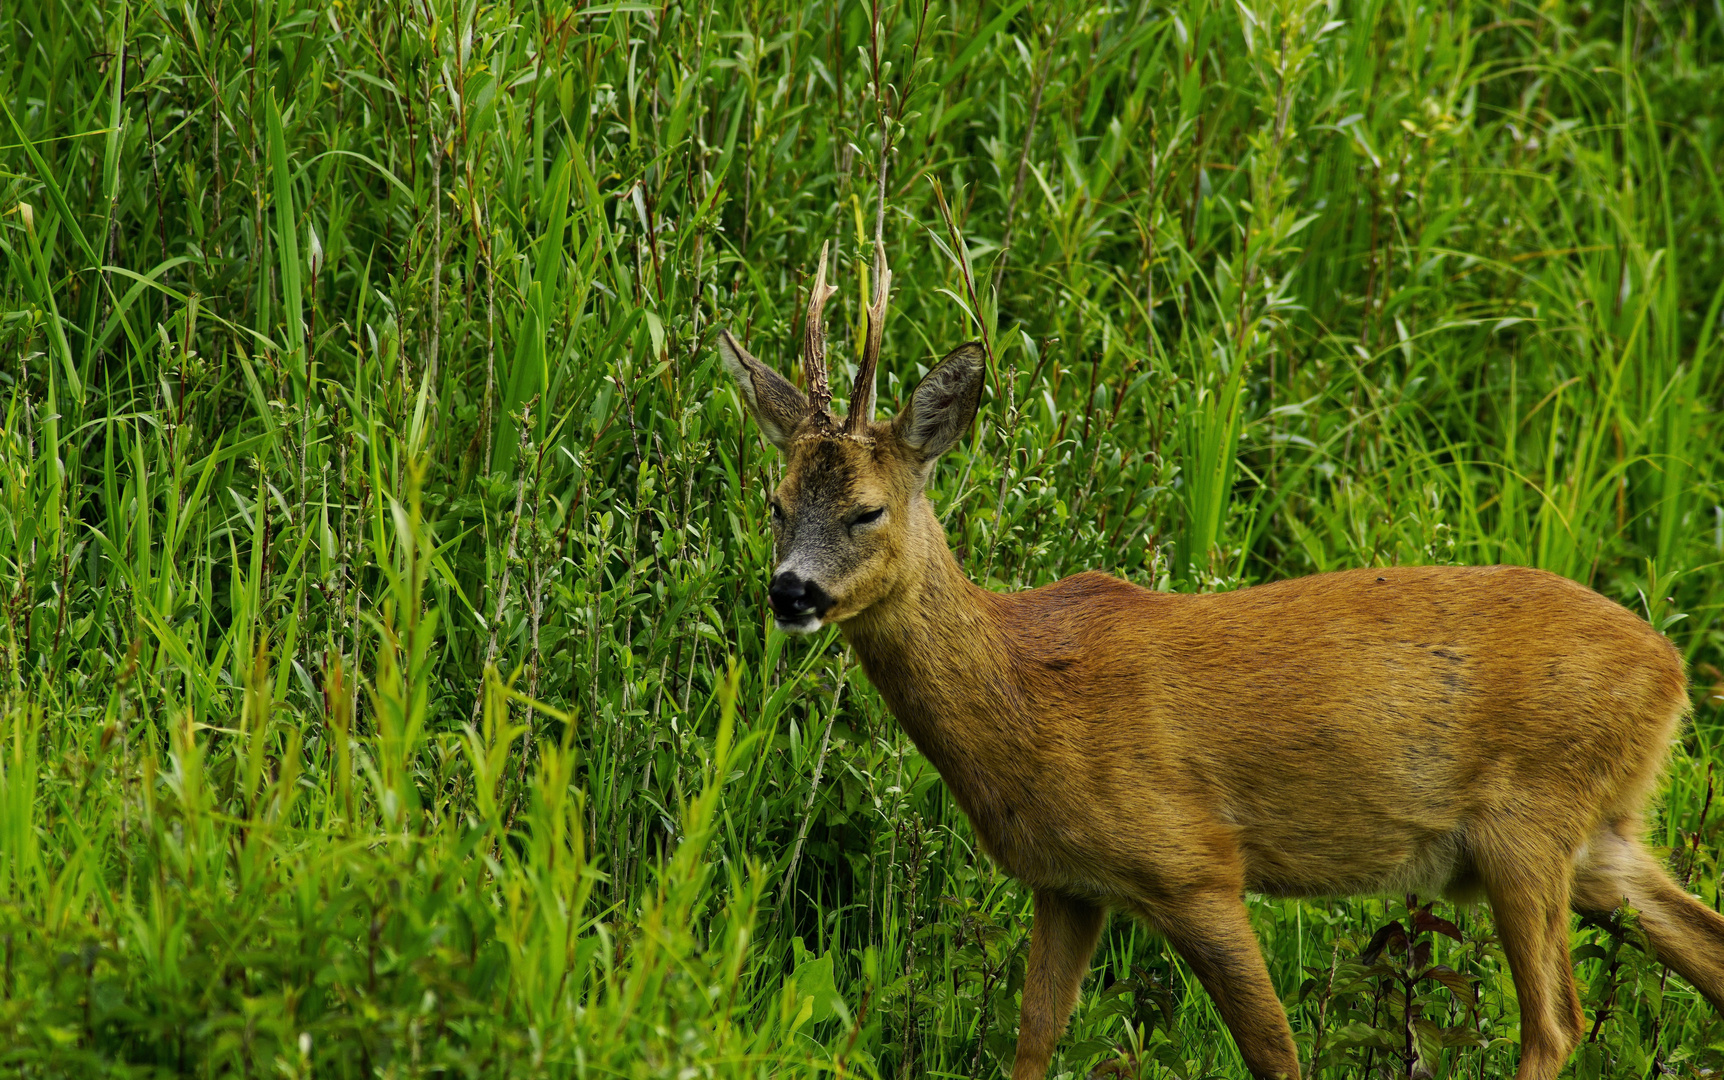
{"points": [[386, 686]]}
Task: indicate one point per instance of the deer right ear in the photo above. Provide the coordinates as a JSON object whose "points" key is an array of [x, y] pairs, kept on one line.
{"points": [[778, 407], [944, 403]]}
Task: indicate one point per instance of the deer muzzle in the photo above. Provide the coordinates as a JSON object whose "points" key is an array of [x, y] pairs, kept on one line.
{"points": [[797, 603]]}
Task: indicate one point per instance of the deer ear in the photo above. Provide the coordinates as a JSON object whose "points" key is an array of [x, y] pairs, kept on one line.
{"points": [[778, 407], [944, 404]]}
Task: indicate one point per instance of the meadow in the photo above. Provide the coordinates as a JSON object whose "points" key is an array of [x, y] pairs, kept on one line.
{"points": [[387, 687]]}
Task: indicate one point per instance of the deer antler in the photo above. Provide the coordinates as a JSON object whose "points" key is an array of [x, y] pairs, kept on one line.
{"points": [[862, 391], [814, 341]]}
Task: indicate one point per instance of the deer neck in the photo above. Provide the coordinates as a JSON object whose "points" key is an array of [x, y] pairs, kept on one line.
{"points": [[940, 656]]}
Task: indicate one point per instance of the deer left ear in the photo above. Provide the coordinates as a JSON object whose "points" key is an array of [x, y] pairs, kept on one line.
{"points": [[944, 404], [778, 407]]}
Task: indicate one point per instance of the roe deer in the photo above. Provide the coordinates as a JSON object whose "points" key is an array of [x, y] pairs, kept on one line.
{"points": [[1466, 731]]}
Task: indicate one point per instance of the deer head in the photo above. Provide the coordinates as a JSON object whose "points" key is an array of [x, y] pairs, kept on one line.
{"points": [[850, 517]]}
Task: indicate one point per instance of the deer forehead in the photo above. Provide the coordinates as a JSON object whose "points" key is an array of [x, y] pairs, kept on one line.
{"points": [[838, 472]]}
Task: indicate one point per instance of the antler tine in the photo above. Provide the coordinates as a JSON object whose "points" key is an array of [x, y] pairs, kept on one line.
{"points": [[862, 392], [814, 339]]}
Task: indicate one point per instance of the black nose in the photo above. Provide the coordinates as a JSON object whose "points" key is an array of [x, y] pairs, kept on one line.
{"points": [[794, 597]]}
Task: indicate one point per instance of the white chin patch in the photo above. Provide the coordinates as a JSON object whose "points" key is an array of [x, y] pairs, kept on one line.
{"points": [[805, 625]]}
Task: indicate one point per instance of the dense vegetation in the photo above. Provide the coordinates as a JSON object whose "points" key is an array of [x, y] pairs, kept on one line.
{"points": [[386, 684]]}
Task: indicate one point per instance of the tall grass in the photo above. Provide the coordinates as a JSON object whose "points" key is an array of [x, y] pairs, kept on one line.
{"points": [[386, 686]]}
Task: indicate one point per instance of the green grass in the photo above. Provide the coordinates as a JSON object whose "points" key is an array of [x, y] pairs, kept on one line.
{"points": [[386, 686]]}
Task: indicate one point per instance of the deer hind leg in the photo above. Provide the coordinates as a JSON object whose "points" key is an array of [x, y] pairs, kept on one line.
{"points": [[1684, 933], [1061, 941], [1212, 933], [1529, 897]]}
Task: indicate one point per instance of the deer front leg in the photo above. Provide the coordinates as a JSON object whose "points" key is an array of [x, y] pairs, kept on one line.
{"points": [[1061, 941], [1211, 932]]}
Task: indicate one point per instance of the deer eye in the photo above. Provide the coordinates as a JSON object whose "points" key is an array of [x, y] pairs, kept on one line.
{"points": [[867, 517], [777, 512]]}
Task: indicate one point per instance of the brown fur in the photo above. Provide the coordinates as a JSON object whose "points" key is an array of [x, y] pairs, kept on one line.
{"points": [[1468, 731]]}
